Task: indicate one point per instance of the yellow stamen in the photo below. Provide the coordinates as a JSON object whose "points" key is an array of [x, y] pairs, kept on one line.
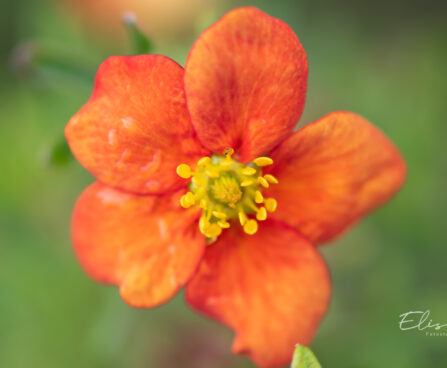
{"points": [[271, 179], [203, 161], [251, 227], [263, 161], [228, 190], [184, 171], [228, 152], [184, 202], [213, 230], [247, 183], [262, 214], [248, 171], [224, 224], [259, 198], [219, 215], [263, 182], [203, 223], [270, 204], [212, 173], [242, 218], [227, 162]]}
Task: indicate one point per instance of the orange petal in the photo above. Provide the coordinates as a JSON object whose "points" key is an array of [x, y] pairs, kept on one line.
{"points": [[272, 288], [332, 172], [135, 129], [146, 244], [245, 83]]}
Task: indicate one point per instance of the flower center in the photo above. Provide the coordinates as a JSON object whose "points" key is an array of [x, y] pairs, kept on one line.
{"points": [[228, 190]]}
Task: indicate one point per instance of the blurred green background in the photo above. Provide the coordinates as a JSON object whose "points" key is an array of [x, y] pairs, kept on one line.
{"points": [[384, 60]]}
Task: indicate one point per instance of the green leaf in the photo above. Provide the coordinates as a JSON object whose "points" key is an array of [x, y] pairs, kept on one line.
{"points": [[304, 358], [139, 41], [59, 154], [46, 61]]}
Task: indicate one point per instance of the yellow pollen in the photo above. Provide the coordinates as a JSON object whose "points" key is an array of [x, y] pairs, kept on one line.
{"points": [[224, 224], [259, 198], [184, 171], [228, 192], [251, 227], [271, 179], [270, 204], [203, 161], [226, 189], [228, 152], [247, 183], [263, 182], [219, 215], [242, 218], [262, 214], [248, 171], [212, 173], [263, 161]]}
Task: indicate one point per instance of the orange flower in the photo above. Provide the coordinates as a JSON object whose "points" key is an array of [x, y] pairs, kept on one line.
{"points": [[222, 129]]}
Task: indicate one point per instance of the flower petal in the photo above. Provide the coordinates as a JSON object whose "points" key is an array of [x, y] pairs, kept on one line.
{"points": [[272, 288], [135, 129], [332, 172], [146, 244], [245, 83]]}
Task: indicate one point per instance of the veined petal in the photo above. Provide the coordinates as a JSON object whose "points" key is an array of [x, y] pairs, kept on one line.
{"points": [[135, 129], [332, 172], [145, 244], [272, 288], [245, 83]]}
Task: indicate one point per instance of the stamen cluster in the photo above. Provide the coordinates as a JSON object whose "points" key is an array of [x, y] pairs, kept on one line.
{"points": [[226, 189]]}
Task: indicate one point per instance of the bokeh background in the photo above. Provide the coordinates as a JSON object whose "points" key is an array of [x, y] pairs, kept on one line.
{"points": [[385, 60]]}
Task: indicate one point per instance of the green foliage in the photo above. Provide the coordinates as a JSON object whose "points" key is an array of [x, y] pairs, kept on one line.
{"points": [[140, 43], [304, 358], [59, 153]]}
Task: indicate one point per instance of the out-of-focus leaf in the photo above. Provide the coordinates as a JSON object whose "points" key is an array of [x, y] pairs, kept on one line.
{"points": [[140, 43], [59, 154], [304, 358], [37, 59]]}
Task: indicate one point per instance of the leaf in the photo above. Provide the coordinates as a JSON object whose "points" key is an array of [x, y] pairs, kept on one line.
{"points": [[139, 41], [304, 358], [42, 60], [59, 154]]}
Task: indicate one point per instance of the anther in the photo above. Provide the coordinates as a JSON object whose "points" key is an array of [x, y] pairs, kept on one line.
{"points": [[242, 218], [219, 215], [212, 173], [263, 182], [184, 171], [247, 183], [262, 214], [228, 152], [270, 204], [271, 179], [263, 161], [251, 227], [213, 230], [223, 224], [227, 162], [203, 161], [248, 171], [259, 198]]}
